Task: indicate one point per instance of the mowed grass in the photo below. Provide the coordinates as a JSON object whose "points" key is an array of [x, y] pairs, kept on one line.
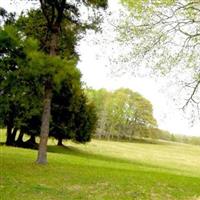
{"points": [[102, 170]]}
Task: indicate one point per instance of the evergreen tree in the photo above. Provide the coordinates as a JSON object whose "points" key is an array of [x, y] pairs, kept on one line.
{"points": [[59, 16]]}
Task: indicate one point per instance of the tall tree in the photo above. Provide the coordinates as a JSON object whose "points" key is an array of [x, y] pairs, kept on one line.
{"points": [[57, 14], [61, 14]]}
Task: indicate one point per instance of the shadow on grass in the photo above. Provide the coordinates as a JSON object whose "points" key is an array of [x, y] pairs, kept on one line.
{"points": [[146, 169], [69, 150]]}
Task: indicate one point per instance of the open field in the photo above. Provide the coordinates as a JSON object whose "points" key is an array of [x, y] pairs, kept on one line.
{"points": [[102, 170]]}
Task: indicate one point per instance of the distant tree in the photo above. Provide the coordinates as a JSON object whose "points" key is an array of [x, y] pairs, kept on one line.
{"points": [[122, 113], [133, 110], [101, 99]]}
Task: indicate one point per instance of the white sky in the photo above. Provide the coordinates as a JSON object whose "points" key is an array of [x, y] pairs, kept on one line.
{"points": [[96, 73]]}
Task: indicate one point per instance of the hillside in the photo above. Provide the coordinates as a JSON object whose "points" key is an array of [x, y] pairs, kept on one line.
{"points": [[103, 170]]}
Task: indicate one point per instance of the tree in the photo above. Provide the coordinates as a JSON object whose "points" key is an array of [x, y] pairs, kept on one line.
{"points": [[165, 34], [5, 17], [131, 112], [67, 87], [73, 117], [100, 99], [122, 113], [20, 90], [58, 15]]}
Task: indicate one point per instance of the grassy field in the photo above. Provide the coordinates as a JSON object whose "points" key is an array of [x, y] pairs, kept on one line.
{"points": [[102, 170]]}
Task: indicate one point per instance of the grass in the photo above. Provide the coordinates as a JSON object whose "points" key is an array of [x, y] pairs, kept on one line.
{"points": [[102, 170]]}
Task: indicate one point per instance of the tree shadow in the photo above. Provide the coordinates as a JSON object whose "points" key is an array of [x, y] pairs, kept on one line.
{"points": [[70, 150]]}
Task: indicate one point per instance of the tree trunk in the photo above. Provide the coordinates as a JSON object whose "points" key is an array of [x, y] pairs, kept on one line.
{"points": [[60, 142], [9, 135], [44, 133], [31, 143], [20, 138], [32, 139]]}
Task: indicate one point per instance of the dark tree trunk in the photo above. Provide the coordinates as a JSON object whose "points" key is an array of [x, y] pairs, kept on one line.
{"points": [[20, 138], [42, 151], [9, 135], [60, 142], [31, 143], [32, 139]]}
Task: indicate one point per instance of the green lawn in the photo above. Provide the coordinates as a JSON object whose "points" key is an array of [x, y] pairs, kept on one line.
{"points": [[102, 170]]}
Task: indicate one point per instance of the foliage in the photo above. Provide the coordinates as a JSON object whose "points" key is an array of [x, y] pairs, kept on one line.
{"points": [[72, 116], [34, 20], [140, 5], [23, 72], [6, 18], [166, 38], [122, 113], [20, 90], [156, 133]]}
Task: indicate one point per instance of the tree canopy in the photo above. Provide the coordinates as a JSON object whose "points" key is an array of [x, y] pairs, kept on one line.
{"points": [[122, 113], [165, 37]]}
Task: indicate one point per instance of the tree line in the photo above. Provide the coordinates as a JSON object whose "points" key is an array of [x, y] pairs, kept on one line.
{"points": [[122, 114], [125, 115]]}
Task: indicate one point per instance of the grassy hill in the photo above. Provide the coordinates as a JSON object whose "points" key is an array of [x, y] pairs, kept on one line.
{"points": [[102, 170]]}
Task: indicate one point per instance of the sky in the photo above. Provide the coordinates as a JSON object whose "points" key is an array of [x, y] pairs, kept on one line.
{"points": [[95, 51], [98, 75]]}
